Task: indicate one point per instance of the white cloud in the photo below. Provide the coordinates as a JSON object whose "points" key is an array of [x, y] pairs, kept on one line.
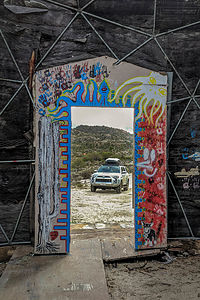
{"points": [[121, 118]]}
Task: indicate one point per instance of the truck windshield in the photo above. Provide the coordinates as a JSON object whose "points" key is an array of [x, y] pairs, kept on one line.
{"points": [[109, 169]]}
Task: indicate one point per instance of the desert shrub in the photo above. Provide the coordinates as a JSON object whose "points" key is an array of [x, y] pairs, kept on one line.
{"points": [[107, 154], [86, 174], [78, 163], [92, 156]]}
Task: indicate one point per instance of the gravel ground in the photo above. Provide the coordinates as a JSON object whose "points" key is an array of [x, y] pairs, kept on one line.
{"points": [[101, 207], [146, 280]]}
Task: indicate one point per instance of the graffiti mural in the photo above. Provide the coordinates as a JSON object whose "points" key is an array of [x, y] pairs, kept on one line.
{"points": [[150, 192], [48, 185], [99, 83], [189, 178], [195, 155], [146, 92]]}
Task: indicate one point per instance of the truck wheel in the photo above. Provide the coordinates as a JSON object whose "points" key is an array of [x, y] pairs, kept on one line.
{"points": [[126, 186], [93, 188], [118, 189]]}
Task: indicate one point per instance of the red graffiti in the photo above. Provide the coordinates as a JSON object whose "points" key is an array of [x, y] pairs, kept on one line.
{"points": [[152, 164], [53, 235]]}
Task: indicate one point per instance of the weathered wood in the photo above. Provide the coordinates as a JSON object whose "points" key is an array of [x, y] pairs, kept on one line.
{"points": [[77, 276], [116, 249], [31, 69]]}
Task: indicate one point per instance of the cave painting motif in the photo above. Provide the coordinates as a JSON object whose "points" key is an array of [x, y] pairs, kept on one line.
{"points": [[184, 174], [149, 158]]}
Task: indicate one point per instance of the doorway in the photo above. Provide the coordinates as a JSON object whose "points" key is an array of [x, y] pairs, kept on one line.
{"points": [[101, 194]]}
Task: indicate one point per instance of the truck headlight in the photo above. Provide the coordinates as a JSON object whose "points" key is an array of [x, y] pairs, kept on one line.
{"points": [[115, 179]]}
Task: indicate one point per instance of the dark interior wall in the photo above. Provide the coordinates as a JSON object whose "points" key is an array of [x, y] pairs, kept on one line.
{"points": [[26, 31]]}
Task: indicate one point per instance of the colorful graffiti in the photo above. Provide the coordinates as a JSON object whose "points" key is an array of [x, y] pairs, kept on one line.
{"points": [[96, 83], [194, 156], [184, 173], [150, 194], [150, 91], [55, 80], [191, 183], [189, 177]]}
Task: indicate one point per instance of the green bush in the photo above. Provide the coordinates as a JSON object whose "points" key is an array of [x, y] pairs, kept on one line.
{"points": [[92, 156], [107, 154], [78, 163]]}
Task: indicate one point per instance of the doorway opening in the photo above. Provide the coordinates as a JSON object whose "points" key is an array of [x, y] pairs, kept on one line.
{"points": [[101, 189]]}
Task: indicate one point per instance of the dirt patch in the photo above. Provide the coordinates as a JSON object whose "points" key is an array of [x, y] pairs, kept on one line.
{"points": [[154, 279], [5, 255], [2, 267]]}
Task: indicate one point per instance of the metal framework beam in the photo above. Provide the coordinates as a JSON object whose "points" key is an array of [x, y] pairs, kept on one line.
{"points": [[22, 208], [154, 18], [12, 98], [173, 67], [177, 29], [195, 101], [103, 41], [10, 241], [21, 161], [178, 100], [57, 40], [133, 51], [181, 206], [65, 6], [179, 121], [86, 5], [118, 24], [11, 80]]}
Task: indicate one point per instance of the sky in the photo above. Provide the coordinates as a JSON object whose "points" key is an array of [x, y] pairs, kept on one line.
{"points": [[121, 118]]}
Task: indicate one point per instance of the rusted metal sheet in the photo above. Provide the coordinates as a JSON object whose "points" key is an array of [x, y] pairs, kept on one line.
{"points": [[99, 83]]}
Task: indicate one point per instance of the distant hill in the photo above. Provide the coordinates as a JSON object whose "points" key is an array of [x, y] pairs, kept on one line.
{"points": [[91, 145], [103, 130]]}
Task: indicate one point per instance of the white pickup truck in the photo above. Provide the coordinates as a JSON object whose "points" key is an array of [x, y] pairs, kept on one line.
{"points": [[111, 175]]}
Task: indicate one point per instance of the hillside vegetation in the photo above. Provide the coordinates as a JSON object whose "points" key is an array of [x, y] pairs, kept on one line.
{"points": [[91, 145]]}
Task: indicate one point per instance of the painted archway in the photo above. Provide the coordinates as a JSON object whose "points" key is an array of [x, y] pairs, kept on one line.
{"points": [[99, 82]]}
